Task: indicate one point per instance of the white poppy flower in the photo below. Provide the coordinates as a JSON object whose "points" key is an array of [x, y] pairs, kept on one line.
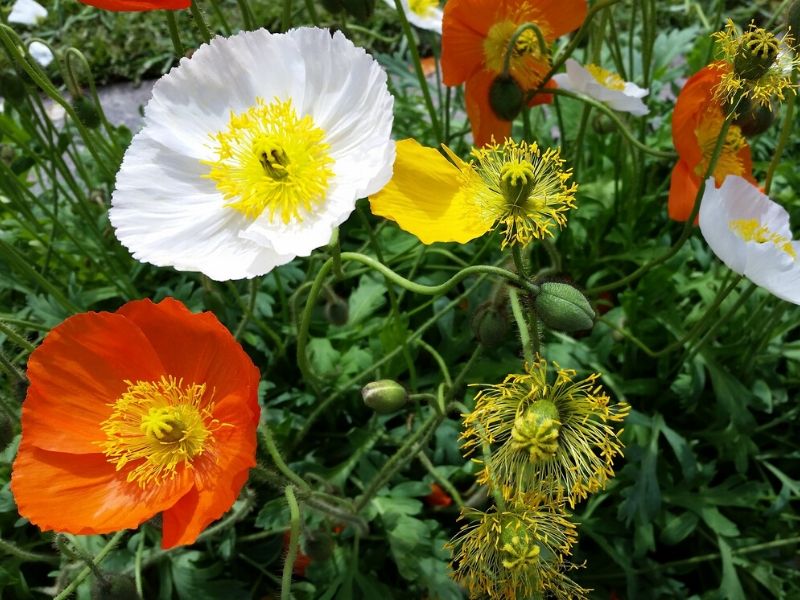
{"points": [[27, 12], [604, 86], [253, 151], [40, 53], [425, 14], [750, 233]]}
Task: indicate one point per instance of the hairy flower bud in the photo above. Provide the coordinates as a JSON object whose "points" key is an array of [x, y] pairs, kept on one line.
{"points": [[754, 118], [563, 308], [490, 324], [384, 396], [756, 54], [506, 97], [87, 111]]}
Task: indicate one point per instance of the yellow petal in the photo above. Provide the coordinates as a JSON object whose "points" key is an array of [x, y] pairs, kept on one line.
{"points": [[427, 197]]}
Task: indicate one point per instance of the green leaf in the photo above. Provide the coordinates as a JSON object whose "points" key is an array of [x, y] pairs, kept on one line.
{"points": [[678, 527], [730, 588], [368, 297]]}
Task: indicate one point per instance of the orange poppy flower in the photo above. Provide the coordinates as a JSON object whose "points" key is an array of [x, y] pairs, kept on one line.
{"points": [[696, 123], [151, 409], [438, 497], [475, 37], [138, 5]]}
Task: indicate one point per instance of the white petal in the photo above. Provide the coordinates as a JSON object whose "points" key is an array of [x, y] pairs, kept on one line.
{"points": [[713, 221], [431, 21], [27, 12], [40, 53]]}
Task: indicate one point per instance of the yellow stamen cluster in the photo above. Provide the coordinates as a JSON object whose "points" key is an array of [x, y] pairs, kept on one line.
{"points": [[555, 439], [528, 62], [754, 66], [423, 8], [516, 552], [752, 230], [707, 133], [522, 189], [271, 159], [158, 427], [606, 78]]}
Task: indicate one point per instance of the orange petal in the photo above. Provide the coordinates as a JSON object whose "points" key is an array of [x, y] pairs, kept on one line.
{"points": [[464, 27], [541, 98], [83, 494], [485, 124], [683, 188], [76, 373], [694, 100], [561, 16], [194, 347]]}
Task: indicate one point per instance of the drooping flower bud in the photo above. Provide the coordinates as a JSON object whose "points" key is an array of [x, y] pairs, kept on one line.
{"points": [[490, 324], [757, 52], [563, 308], [336, 310], [754, 118], [87, 111], [506, 97], [384, 396], [536, 431]]}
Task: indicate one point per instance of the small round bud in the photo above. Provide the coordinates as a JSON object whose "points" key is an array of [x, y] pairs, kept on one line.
{"points": [[318, 545], [506, 97], [87, 112], [384, 396], [757, 53], [12, 86], [114, 586], [337, 311], [517, 545], [536, 431], [754, 118], [490, 325], [563, 308]]}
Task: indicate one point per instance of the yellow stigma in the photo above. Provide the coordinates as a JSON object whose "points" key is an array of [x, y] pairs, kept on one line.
{"points": [[270, 159], [157, 426], [606, 78], [536, 430], [707, 133], [423, 8], [521, 188], [528, 62], [518, 547], [751, 230]]}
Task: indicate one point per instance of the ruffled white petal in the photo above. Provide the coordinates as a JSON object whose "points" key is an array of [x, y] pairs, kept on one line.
{"points": [[27, 12], [765, 264], [579, 79], [168, 212], [432, 20]]}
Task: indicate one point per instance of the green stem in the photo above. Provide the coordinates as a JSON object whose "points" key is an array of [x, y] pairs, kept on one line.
{"points": [[251, 306], [274, 453], [294, 542], [174, 34], [25, 555], [743, 297], [423, 82], [439, 361], [95, 562], [441, 479], [200, 21], [786, 132], [522, 326], [512, 42], [15, 337], [312, 12], [137, 565]]}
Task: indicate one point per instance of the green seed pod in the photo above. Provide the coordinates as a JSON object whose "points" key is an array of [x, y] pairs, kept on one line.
{"points": [[318, 545], [384, 396], [337, 312], [490, 324], [755, 118], [114, 586], [563, 308], [757, 53], [506, 97], [361, 10], [87, 111]]}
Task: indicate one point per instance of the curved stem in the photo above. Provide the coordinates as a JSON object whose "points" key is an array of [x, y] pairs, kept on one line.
{"points": [[512, 42], [87, 570], [448, 380], [200, 21], [522, 327], [294, 543], [786, 131], [274, 453]]}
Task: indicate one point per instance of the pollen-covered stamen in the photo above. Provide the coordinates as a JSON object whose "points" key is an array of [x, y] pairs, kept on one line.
{"points": [[158, 426], [528, 62], [536, 431], [751, 230], [606, 78], [271, 159], [423, 8]]}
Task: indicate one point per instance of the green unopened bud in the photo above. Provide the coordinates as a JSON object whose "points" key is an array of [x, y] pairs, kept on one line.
{"points": [[490, 324], [337, 311], [754, 118], [318, 545], [359, 9], [757, 53], [535, 431], [87, 111], [12, 87], [114, 586], [384, 396], [518, 544], [506, 97], [563, 308]]}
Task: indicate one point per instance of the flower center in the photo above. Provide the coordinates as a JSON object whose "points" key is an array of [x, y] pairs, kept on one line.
{"points": [[751, 230], [521, 188], [536, 431], [518, 545], [270, 159], [528, 62], [423, 8], [707, 133], [156, 426], [606, 78]]}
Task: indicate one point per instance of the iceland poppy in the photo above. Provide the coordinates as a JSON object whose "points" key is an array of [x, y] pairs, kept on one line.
{"points": [[151, 409], [138, 5]]}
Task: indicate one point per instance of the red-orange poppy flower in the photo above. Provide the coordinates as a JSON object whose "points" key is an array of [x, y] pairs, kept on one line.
{"points": [[151, 409], [438, 497], [696, 124], [138, 5], [475, 38]]}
